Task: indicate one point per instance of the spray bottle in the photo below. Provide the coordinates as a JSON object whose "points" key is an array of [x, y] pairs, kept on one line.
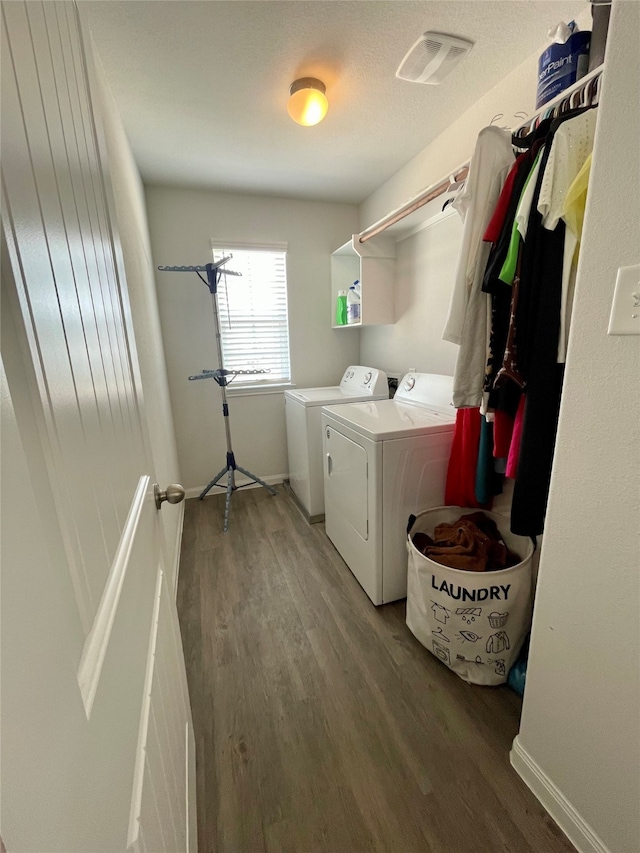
{"points": [[354, 303]]}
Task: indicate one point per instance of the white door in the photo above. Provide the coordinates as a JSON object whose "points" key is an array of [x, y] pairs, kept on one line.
{"points": [[97, 746], [346, 482]]}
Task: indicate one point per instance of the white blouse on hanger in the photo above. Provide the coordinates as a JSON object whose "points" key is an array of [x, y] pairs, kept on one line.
{"points": [[491, 159], [468, 321]]}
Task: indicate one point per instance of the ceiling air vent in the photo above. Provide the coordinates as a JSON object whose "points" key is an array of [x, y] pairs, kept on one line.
{"points": [[432, 57]]}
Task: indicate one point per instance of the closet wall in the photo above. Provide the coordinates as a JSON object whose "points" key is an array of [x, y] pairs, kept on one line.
{"points": [[425, 267], [579, 743], [182, 223], [426, 261]]}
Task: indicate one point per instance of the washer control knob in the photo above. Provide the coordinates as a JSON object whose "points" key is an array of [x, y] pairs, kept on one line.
{"points": [[367, 377], [408, 385]]}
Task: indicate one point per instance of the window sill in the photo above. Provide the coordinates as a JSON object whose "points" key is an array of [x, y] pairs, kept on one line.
{"points": [[258, 390]]}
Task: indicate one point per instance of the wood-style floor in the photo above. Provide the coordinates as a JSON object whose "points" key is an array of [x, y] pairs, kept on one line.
{"points": [[322, 725]]}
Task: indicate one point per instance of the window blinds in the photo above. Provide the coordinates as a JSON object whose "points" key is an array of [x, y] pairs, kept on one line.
{"points": [[253, 314]]}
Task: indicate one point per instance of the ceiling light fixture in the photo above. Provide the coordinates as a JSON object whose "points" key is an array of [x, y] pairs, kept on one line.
{"points": [[307, 103]]}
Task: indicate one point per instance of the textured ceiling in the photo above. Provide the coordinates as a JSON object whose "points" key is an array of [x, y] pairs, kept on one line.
{"points": [[202, 86]]}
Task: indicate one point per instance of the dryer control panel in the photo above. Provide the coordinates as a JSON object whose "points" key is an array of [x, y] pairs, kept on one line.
{"points": [[425, 389], [364, 380]]}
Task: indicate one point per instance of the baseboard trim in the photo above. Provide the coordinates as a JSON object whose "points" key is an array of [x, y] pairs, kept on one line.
{"points": [[271, 479], [311, 519], [577, 830]]}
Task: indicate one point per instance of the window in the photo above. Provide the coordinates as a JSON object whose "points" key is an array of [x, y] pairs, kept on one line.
{"points": [[253, 313]]}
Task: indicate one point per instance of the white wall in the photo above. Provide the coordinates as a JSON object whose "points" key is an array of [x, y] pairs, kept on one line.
{"points": [[580, 727], [425, 266], [133, 230], [182, 223]]}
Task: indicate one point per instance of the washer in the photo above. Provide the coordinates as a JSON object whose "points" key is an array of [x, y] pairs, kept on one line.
{"points": [[304, 430], [384, 461]]}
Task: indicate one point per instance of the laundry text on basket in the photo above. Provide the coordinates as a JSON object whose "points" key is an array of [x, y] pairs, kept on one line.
{"points": [[459, 593]]}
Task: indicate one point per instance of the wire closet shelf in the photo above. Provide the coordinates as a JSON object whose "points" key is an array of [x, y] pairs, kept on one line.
{"points": [[584, 92]]}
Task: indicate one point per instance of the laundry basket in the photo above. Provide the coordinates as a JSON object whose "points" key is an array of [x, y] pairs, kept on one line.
{"points": [[474, 622]]}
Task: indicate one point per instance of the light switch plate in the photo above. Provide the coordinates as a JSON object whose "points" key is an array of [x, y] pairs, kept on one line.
{"points": [[625, 311]]}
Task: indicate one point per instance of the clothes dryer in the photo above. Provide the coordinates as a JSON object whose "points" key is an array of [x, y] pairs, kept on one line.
{"points": [[303, 408], [384, 461]]}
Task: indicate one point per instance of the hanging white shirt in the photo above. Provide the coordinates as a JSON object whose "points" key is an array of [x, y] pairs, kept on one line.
{"points": [[492, 158], [526, 200], [469, 319], [572, 144]]}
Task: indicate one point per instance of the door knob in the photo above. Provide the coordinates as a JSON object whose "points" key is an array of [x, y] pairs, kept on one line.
{"points": [[174, 494]]}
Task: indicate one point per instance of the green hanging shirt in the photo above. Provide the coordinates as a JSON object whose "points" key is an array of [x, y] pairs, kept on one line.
{"points": [[508, 271]]}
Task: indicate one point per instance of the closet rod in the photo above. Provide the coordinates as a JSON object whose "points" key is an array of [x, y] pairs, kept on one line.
{"points": [[414, 204], [462, 171]]}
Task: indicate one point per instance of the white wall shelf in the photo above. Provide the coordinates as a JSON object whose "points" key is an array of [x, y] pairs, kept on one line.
{"points": [[373, 265]]}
